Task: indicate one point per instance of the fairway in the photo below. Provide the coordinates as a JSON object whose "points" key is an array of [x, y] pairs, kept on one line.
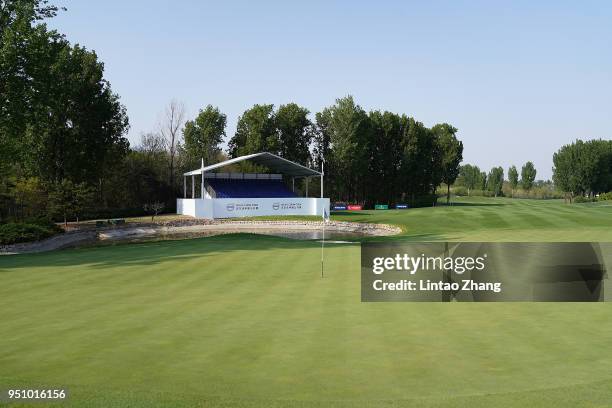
{"points": [[244, 320], [497, 219]]}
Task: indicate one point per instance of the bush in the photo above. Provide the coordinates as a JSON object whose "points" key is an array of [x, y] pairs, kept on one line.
{"points": [[107, 213], [44, 222], [459, 191], [605, 196], [20, 232], [583, 199], [428, 200]]}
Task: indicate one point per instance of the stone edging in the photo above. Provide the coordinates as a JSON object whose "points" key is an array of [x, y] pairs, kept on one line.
{"points": [[72, 238]]}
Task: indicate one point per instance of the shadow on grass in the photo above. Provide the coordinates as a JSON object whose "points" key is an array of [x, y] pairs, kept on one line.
{"points": [[151, 253], [350, 213], [154, 252], [470, 204]]}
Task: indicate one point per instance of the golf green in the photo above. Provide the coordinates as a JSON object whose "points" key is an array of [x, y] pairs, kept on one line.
{"points": [[247, 321]]}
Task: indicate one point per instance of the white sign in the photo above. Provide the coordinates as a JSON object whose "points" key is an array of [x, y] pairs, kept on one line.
{"points": [[251, 207]]}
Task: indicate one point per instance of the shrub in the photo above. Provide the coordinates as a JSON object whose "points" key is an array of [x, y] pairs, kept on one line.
{"points": [[460, 191], [583, 199], [45, 222], [20, 232], [605, 196], [422, 201]]}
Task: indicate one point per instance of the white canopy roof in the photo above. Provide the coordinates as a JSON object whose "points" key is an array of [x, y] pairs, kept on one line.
{"points": [[266, 159]]}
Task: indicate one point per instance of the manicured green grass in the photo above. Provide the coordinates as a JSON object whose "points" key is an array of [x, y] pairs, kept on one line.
{"points": [[243, 320], [497, 219]]}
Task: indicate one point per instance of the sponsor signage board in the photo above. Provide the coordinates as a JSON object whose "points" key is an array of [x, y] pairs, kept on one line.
{"points": [[381, 207], [354, 207], [401, 206]]}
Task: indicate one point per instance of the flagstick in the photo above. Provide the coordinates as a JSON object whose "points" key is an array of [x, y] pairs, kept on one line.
{"points": [[324, 214], [322, 246]]}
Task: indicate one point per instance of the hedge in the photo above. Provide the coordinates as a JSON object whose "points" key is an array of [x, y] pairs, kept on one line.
{"points": [[14, 233]]}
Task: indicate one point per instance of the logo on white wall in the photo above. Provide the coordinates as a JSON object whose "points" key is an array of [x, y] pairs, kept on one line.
{"points": [[276, 206], [230, 207]]}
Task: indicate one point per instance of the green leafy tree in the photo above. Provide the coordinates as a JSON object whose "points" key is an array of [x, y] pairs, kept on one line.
{"points": [[80, 133], [348, 129], [483, 180], [451, 154], [28, 195], [204, 135], [420, 166], [385, 157], [59, 117], [513, 178], [321, 137], [62, 201], [528, 175], [583, 167], [25, 58], [322, 148], [294, 133], [471, 177], [495, 180], [255, 132], [564, 175]]}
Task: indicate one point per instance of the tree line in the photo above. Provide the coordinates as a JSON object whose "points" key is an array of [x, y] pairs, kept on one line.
{"points": [[61, 124], [492, 183], [368, 157], [64, 151], [584, 168]]}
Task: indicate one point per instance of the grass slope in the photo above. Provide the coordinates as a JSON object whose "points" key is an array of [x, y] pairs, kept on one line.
{"points": [[246, 321]]}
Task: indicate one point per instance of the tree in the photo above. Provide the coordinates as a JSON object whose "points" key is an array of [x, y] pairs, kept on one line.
{"points": [[152, 144], [513, 178], [170, 126], [528, 175], [495, 180], [28, 195], [83, 198], [11, 11], [24, 61], [204, 135], [421, 162], [384, 150], [294, 133], [451, 154], [348, 128], [483, 181], [58, 115], [255, 132], [471, 177], [322, 136], [154, 209], [78, 131], [584, 167], [61, 200]]}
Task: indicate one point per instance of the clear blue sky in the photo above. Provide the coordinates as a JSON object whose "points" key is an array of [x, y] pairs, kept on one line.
{"points": [[518, 79]]}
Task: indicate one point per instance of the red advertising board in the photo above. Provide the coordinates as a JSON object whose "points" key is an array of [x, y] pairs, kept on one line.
{"points": [[354, 207]]}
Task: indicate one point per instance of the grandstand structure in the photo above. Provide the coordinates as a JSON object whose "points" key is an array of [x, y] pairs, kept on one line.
{"points": [[227, 195]]}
